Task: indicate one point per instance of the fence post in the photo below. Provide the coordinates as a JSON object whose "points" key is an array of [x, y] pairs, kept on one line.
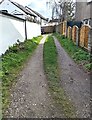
{"points": [[65, 28], [90, 41], [61, 27], [77, 36], [74, 34]]}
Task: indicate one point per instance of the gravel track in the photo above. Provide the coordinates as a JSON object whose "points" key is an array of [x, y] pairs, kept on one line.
{"points": [[30, 97], [75, 82]]}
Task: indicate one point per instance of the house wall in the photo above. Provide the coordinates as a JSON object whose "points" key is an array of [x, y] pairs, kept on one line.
{"points": [[83, 11], [33, 29], [12, 29]]}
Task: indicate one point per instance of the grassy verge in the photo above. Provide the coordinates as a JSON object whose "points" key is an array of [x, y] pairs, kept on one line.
{"points": [[80, 56], [12, 63], [52, 73]]}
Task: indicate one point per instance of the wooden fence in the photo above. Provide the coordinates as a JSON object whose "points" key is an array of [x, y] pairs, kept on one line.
{"points": [[47, 29], [80, 36]]}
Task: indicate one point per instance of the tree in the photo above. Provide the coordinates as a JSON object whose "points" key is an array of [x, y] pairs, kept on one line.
{"points": [[62, 9]]}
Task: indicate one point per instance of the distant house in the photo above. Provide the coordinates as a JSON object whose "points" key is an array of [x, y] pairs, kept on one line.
{"points": [[84, 12]]}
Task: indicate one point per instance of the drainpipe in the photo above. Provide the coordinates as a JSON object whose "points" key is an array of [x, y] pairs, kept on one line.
{"points": [[25, 31]]}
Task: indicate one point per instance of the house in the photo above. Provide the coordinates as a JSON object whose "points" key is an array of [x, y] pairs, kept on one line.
{"points": [[16, 9], [16, 23], [84, 12], [39, 17]]}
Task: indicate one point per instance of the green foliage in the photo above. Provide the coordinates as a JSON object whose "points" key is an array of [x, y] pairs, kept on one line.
{"points": [[12, 62], [88, 66], [52, 73], [78, 54]]}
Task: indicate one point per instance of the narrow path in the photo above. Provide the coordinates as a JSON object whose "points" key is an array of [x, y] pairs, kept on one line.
{"points": [[75, 82], [30, 97]]}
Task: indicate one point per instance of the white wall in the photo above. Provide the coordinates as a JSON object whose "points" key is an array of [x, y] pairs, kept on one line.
{"points": [[33, 29], [12, 29]]}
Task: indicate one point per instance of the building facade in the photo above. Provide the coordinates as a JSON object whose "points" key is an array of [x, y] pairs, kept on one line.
{"points": [[84, 11]]}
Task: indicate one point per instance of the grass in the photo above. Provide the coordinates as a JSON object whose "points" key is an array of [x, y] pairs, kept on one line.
{"points": [[12, 63], [79, 55], [52, 73]]}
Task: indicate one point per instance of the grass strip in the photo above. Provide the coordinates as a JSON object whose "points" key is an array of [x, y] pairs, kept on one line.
{"points": [[79, 55], [12, 63], [52, 73]]}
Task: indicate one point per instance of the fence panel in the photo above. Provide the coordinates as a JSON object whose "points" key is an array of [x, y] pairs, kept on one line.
{"points": [[64, 28], [48, 29], [74, 34], [77, 36], [90, 40], [69, 32], [80, 36], [86, 36], [84, 32], [61, 28]]}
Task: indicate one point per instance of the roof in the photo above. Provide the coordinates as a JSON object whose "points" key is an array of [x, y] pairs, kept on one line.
{"points": [[1, 1], [54, 20], [8, 14], [22, 8], [26, 9], [36, 13]]}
